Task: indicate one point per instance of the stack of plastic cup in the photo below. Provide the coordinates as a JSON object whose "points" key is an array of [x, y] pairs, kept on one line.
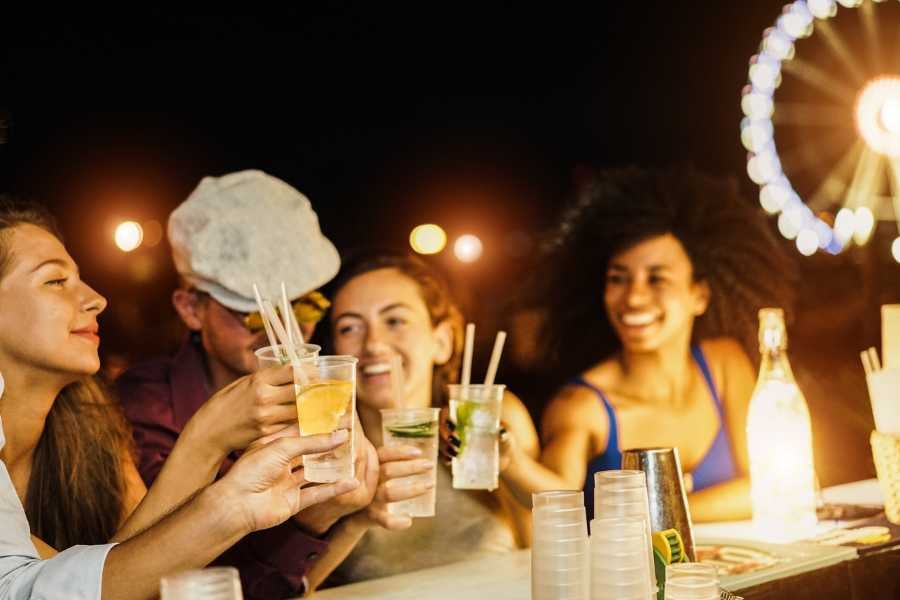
{"points": [[619, 494], [691, 581], [619, 560], [560, 553]]}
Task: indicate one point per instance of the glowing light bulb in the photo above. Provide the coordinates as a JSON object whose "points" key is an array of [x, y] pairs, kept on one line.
{"points": [[890, 116], [756, 134], [427, 239], [865, 223], [757, 105], [807, 242], [787, 227], [773, 197], [822, 9], [878, 115], [844, 225], [129, 236], [765, 72], [468, 248]]}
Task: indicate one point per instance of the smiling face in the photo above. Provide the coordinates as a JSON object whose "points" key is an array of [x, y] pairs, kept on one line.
{"points": [[651, 297], [48, 315], [380, 315]]}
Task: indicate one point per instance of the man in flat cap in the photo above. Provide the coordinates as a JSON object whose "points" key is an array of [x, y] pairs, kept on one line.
{"points": [[231, 232]]}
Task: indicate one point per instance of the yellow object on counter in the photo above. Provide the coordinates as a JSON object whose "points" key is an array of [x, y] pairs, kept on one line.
{"points": [[669, 545]]}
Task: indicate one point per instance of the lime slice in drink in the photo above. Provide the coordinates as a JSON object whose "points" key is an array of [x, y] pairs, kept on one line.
{"points": [[465, 411], [416, 430]]}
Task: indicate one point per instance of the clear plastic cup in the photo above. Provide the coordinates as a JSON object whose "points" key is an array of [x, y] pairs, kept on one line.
{"points": [[576, 590], [559, 515], [622, 479], [475, 409], [620, 494], [620, 565], [561, 531], [326, 402], [691, 581], [559, 561], [417, 427], [219, 583], [620, 595], [560, 555], [579, 545], [272, 356], [557, 499]]}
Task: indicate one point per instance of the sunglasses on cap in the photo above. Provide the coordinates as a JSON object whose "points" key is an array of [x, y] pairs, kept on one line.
{"points": [[309, 308]]}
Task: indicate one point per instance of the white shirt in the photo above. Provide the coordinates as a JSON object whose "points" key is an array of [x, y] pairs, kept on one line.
{"points": [[75, 574]]}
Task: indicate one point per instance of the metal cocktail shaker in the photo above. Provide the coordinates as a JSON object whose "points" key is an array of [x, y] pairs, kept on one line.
{"points": [[665, 490]]}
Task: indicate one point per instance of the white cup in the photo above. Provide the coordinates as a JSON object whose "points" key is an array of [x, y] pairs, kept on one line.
{"points": [[219, 583]]}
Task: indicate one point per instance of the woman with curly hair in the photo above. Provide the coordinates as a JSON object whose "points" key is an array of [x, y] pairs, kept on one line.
{"points": [[653, 283]]}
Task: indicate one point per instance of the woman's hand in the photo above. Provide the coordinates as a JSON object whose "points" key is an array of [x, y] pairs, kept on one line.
{"points": [[266, 488], [450, 442], [252, 407], [396, 463], [320, 518]]}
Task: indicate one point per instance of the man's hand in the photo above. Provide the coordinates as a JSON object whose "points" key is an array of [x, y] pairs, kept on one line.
{"points": [[252, 407]]}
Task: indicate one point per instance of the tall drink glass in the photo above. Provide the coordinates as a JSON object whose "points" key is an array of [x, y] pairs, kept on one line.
{"points": [[417, 427], [475, 409], [326, 402]]}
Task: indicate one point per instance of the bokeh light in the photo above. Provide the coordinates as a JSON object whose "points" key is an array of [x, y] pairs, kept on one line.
{"points": [[152, 233], [428, 239], [468, 248], [129, 236], [878, 115], [807, 242]]}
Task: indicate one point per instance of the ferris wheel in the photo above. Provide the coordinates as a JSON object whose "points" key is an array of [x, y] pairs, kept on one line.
{"points": [[822, 122]]}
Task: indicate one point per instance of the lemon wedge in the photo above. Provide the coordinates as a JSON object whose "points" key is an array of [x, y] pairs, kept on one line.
{"points": [[320, 406]]}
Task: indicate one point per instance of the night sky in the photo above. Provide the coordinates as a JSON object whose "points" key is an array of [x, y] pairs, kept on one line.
{"points": [[479, 119]]}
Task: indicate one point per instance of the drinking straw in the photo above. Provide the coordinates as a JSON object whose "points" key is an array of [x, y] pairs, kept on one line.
{"points": [[396, 380], [866, 361], [873, 356], [262, 313], [467, 355], [290, 322], [495, 358], [285, 311], [298, 334], [282, 336], [280, 332]]}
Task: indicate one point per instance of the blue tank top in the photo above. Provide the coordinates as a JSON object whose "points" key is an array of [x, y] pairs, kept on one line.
{"points": [[717, 466]]}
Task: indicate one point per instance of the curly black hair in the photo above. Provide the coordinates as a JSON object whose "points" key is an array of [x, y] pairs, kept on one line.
{"points": [[729, 242]]}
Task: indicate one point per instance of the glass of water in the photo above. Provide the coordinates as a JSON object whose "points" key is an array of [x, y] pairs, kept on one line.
{"points": [[475, 409]]}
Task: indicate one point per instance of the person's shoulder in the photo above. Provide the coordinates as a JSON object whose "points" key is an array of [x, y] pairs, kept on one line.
{"points": [[724, 353], [513, 404], [573, 403]]}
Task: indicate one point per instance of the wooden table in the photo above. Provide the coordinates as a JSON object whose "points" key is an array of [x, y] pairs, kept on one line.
{"points": [[871, 576]]}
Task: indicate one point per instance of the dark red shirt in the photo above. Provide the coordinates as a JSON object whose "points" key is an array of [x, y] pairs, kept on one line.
{"points": [[159, 397]]}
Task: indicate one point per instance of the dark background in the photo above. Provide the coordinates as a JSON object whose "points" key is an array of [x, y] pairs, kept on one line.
{"points": [[479, 119]]}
